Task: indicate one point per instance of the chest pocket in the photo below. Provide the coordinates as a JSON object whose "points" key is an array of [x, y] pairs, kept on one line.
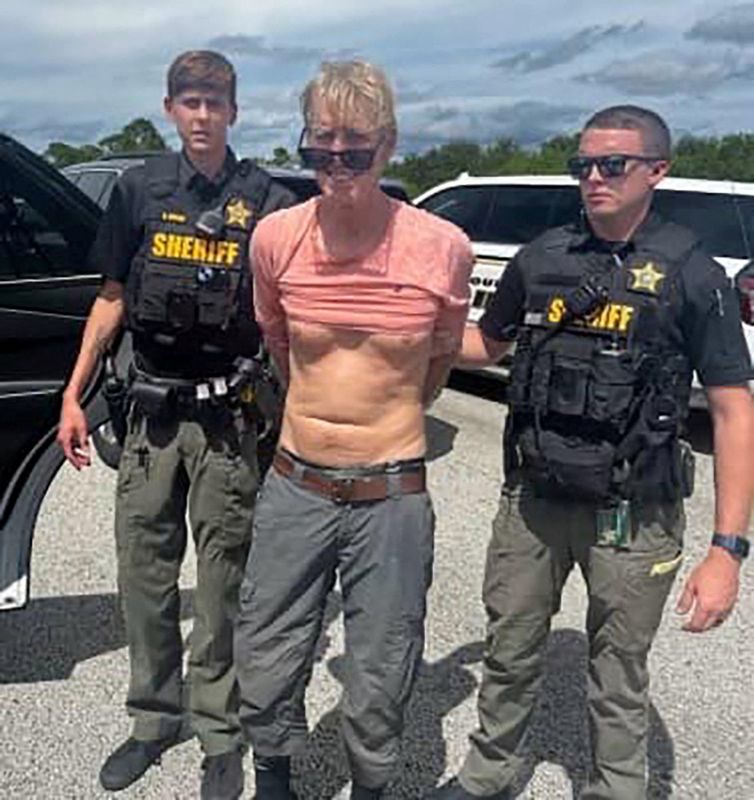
{"points": [[568, 383], [612, 386]]}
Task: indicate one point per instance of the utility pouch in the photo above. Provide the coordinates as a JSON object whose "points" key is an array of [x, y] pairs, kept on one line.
{"points": [[614, 524], [218, 298], [568, 466], [611, 389], [568, 383], [540, 381], [166, 295], [152, 399], [181, 310]]}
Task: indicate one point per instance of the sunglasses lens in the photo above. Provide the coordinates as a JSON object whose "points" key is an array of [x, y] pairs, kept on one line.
{"points": [[315, 158], [579, 168], [318, 159], [357, 160], [612, 166]]}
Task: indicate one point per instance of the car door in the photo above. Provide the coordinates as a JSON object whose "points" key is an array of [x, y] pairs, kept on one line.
{"points": [[46, 229]]}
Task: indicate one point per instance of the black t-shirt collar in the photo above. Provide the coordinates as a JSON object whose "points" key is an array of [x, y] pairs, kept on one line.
{"points": [[584, 237], [192, 179]]}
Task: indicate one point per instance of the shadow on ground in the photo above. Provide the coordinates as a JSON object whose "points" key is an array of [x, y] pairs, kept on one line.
{"points": [[558, 731], [48, 638]]}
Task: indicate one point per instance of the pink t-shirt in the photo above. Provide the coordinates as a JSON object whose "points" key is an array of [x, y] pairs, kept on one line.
{"points": [[415, 281]]}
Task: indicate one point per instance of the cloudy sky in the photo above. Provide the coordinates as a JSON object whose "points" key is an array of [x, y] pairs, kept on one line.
{"points": [[77, 70]]}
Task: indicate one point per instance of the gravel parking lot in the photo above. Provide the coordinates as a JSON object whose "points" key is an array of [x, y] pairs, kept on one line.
{"points": [[63, 662]]}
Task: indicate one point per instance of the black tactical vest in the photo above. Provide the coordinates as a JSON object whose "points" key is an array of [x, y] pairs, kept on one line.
{"points": [[188, 290], [600, 382]]}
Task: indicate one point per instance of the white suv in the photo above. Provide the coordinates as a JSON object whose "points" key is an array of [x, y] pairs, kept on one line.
{"points": [[500, 214]]}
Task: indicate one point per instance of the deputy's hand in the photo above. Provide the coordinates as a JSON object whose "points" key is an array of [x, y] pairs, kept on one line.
{"points": [[73, 436], [710, 591]]}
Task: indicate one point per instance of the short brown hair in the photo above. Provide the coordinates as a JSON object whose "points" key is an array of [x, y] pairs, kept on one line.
{"points": [[652, 127], [352, 87], [202, 69]]}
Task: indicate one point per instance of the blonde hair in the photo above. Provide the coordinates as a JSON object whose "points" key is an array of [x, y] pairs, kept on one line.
{"points": [[349, 89]]}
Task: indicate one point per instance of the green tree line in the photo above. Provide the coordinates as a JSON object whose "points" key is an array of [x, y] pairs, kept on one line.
{"points": [[719, 158], [140, 135], [728, 157]]}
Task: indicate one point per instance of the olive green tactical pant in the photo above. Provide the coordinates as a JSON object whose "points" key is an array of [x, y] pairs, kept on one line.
{"points": [[206, 465], [535, 543]]}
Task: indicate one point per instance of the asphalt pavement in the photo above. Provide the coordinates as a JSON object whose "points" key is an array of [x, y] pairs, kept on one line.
{"points": [[63, 660]]}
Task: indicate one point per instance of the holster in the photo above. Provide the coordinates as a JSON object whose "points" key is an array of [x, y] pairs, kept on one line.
{"points": [[115, 392], [153, 400]]}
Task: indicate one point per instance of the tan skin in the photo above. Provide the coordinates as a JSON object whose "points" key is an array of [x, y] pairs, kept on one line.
{"points": [[354, 397], [615, 208], [202, 119]]}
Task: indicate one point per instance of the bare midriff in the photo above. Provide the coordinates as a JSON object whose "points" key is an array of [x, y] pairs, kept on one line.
{"points": [[354, 397], [357, 335]]}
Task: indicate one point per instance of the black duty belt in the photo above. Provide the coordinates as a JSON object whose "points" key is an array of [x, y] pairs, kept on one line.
{"points": [[355, 485], [157, 396]]}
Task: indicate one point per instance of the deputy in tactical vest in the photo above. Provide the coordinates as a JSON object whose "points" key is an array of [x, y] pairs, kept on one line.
{"points": [[173, 250], [610, 317]]}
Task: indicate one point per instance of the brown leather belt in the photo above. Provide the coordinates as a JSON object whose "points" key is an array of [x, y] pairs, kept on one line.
{"points": [[360, 489]]}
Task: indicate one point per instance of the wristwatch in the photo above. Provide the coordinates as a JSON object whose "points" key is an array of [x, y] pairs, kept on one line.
{"points": [[736, 545]]}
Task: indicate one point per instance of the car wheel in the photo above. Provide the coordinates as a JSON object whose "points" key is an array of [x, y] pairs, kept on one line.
{"points": [[108, 448]]}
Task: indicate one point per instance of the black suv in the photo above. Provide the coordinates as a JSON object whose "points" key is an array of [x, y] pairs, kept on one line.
{"points": [[46, 229], [47, 225], [97, 178]]}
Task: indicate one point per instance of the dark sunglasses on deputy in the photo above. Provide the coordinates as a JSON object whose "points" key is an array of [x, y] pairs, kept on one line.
{"points": [[608, 166], [320, 159]]}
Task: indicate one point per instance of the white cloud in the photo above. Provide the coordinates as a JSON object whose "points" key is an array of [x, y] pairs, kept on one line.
{"points": [[81, 70], [667, 73], [734, 25]]}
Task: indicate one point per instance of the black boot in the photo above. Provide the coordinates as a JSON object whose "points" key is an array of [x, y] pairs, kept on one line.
{"points": [[454, 791], [223, 776], [359, 792], [130, 761], [273, 778]]}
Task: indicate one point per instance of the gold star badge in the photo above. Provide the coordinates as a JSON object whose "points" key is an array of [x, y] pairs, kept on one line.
{"points": [[646, 278], [237, 213]]}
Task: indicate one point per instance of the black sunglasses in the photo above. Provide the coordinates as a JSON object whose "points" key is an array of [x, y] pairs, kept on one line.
{"points": [[610, 166], [320, 159]]}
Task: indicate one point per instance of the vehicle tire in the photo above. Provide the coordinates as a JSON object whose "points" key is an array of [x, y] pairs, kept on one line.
{"points": [[108, 448]]}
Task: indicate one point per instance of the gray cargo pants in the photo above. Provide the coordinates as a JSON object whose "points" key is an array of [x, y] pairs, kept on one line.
{"points": [[209, 465], [383, 552], [535, 543]]}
